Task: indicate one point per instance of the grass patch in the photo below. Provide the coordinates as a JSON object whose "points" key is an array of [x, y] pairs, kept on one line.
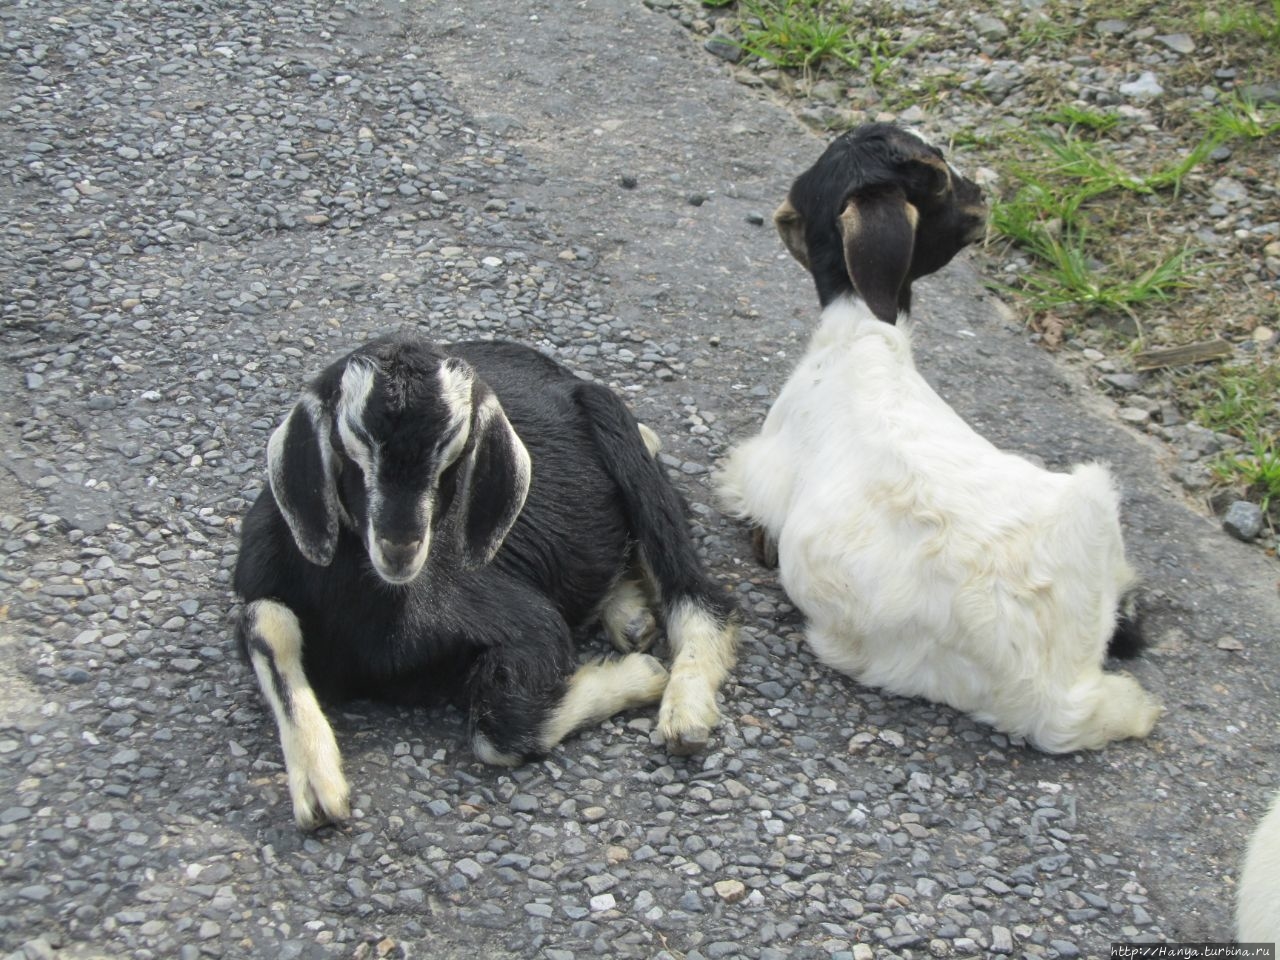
{"points": [[1250, 20], [1240, 118], [1245, 402], [1075, 117], [1258, 471], [1242, 400], [799, 33]]}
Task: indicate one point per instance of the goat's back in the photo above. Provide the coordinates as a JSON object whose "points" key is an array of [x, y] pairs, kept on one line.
{"points": [[901, 523]]}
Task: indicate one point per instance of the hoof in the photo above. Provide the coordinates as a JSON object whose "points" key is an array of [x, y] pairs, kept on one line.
{"points": [[764, 548]]}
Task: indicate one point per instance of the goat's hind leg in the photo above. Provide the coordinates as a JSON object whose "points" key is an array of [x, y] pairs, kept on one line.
{"points": [[627, 615], [272, 639], [703, 640], [527, 695]]}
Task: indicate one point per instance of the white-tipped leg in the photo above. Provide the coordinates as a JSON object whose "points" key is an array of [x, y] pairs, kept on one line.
{"points": [[652, 442], [628, 621], [703, 649], [599, 690], [316, 785], [1112, 707], [486, 752]]}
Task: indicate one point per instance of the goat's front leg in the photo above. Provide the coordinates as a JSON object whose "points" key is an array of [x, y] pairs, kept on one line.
{"points": [[273, 639]]}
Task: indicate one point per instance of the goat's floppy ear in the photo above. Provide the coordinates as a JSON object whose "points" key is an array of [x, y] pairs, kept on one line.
{"points": [[301, 473], [790, 227], [493, 479], [879, 231]]}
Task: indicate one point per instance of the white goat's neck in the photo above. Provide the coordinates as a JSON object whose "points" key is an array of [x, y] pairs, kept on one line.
{"points": [[848, 317]]}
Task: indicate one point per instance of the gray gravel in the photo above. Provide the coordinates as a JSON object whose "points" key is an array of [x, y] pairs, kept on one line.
{"points": [[205, 203]]}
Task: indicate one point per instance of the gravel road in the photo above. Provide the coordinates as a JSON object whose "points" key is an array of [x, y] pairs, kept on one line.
{"points": [[203, 203]]}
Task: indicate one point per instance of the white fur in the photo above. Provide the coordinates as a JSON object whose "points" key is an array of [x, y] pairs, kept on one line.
{"points": [[601, 689], [1258, 903], [927, 561], [314, 766], [702, 651]]}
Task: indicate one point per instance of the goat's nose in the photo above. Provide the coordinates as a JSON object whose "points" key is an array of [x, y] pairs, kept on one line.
{"points": [[398, 553]]}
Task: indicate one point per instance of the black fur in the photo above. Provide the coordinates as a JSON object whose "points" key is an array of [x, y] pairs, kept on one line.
{"points": [[868, 160], [1129, 639], [495, 637]]}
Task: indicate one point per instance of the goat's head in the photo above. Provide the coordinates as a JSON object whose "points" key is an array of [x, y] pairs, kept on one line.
{"points": [[879, 209], [398, 442]]}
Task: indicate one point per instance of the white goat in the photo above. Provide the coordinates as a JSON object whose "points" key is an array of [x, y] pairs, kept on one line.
{"points": [[927, 561], [1258, 902]]}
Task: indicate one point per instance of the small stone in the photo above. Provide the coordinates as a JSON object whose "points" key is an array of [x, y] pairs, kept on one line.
{"points": [[1243, 520], [627, 182], [1178, 42], [1229, 190], [1001, 940], [990, 28], [1146, 87], [730, 891], [1127, 382], [723, 46], [1134, 415], [1230, 643], [1112, 27], [600, 883], [604, 901]]}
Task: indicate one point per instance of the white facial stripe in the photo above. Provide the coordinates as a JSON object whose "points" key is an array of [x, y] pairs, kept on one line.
{"points": [[353, 397], [357, 384], [456, 384]]}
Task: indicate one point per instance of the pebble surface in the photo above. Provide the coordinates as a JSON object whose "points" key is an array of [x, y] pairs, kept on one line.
{"points": [[205, 204]]}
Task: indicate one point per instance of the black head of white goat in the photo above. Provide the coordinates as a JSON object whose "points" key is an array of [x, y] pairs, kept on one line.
{"points": [[880, 208], [402, 446]]}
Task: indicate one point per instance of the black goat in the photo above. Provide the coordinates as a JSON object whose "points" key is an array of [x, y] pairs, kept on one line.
{"points": [[440, 522]]}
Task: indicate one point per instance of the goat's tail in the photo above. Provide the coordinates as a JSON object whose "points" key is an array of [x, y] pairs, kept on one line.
{"points": [[1129, 638], [1089, 535], [701, 620], [654, 510]]}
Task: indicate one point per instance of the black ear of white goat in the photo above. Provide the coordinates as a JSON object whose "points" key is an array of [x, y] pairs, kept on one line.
{"points": [[440, 522], [880, 208], [925, 560]]}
